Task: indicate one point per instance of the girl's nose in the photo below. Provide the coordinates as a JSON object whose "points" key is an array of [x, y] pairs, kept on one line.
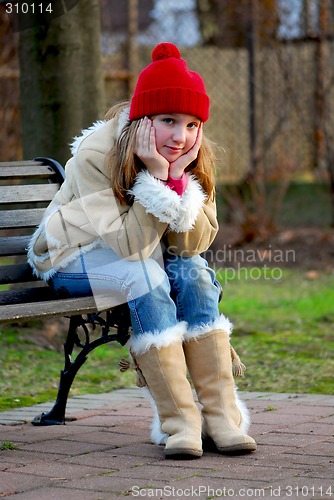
{"points": [[179, 134]]}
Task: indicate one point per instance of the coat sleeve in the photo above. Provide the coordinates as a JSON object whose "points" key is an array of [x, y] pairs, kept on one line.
{"points": [[193, 225], [132, 231], [200, 237], [95, 213]]}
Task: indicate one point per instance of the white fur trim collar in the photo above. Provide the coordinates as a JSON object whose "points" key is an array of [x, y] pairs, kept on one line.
{"points": [[123, 119], [76, 142]]}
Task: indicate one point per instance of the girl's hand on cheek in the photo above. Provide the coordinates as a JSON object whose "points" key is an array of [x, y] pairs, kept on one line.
{"points": [[145, 149], [178, 166]]}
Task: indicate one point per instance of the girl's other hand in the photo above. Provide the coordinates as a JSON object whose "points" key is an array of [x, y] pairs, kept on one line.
{"points": [[178, 166], [145, 149]]}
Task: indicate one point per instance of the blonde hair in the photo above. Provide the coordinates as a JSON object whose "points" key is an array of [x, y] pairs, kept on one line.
{"points": [[124, 165]]}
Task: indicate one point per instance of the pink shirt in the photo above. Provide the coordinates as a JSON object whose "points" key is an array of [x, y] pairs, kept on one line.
{"points": [[178, 185]]}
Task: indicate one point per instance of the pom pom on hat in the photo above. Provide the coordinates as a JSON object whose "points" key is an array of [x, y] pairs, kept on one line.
{"points": [[164, 51], [168, 86]]}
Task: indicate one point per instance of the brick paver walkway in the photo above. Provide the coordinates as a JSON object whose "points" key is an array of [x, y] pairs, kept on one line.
{"points": [[106, 453]]}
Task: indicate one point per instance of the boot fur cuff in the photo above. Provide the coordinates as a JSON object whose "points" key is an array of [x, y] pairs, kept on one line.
{"points": [[142, 343], [245, 416], [157, 435], [222, 323]]}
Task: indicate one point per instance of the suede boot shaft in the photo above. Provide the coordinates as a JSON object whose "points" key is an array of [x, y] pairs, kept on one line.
{"points": [[165, 371], [225, 418]]}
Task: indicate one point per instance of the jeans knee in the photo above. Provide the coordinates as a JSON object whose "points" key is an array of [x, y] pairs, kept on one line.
{"points": [[189, 271], [144, 276]]}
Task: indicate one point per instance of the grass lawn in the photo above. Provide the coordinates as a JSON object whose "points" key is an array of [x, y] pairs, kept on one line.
{"points": [[283, 333], [29, 373]]}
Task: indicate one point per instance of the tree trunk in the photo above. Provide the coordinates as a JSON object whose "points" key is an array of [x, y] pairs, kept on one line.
{"points": [[61, 80]]}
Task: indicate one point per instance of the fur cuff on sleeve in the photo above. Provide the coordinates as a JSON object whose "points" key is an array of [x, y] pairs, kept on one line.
{"points": [[192, 201], [180, 212], [155, 197]]}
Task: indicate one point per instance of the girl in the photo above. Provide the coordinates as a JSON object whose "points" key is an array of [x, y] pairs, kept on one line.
{"points": [[129, 223]]}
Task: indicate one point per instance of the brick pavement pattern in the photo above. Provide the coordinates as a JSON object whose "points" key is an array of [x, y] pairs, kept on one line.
{"points": [[106, 453]]}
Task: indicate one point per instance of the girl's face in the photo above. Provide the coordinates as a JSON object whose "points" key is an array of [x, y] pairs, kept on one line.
{"points": [[175, 134]]}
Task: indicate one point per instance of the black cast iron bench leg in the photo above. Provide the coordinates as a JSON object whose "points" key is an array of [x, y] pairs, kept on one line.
{"points": [[117, 318]]}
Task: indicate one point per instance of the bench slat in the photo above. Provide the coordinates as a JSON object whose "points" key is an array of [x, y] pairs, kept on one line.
{"points": [[28, 217], [28, 193], [14, 245], [21, 163], [23, 172], [25, 295], [16, 273], [52, 308], [43, 294], [33, 302]]}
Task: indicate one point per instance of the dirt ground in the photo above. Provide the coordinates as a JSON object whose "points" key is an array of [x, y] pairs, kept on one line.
{"points": [[309, 248]]}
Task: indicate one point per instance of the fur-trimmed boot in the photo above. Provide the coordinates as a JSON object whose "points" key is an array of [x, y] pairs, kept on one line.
{"points": [[161, 360], [209, 362]]}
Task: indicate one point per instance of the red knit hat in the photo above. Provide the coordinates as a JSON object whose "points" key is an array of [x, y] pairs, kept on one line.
{"points": [[168, 86]]}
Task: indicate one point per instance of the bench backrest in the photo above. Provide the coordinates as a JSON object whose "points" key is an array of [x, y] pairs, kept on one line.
{"points": [[26, 188]]}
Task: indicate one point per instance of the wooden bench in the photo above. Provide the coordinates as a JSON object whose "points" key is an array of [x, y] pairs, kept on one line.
{"points": [[26, 188]]}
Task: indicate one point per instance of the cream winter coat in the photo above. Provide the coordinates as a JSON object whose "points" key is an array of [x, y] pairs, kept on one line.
{"points": [[85, 214]]}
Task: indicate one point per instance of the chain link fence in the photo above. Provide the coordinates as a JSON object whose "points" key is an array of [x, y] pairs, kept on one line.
{"points": [[267, 65], [268, 70]]}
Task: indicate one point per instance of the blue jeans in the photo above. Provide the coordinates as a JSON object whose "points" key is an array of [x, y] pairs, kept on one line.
{"points": [[159, 295]]}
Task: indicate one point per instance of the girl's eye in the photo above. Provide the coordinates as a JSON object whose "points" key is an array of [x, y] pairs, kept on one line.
{"points": [[169, 121], [193, 125]]}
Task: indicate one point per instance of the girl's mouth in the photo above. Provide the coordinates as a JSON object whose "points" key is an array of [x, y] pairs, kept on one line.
{"points": [[174, 149]]}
